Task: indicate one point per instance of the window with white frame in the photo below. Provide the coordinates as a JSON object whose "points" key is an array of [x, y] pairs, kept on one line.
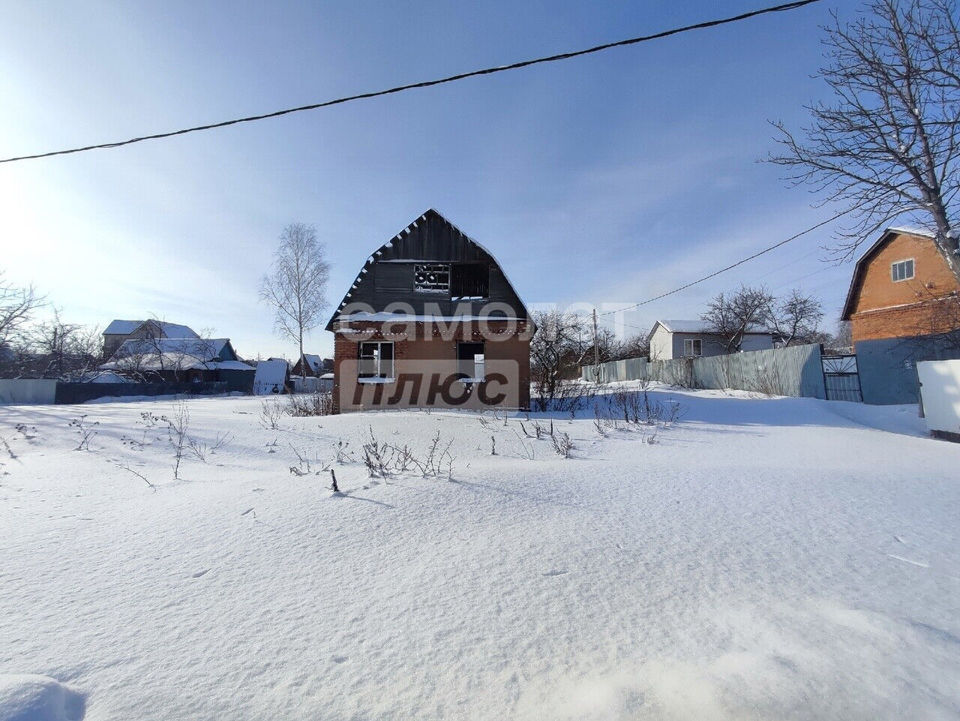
{"points": [[692, 346], [471, 360], [376, 360], [901, 270]]}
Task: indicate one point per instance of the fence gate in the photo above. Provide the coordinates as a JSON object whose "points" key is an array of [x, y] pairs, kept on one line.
{"points": [[841, 379]]}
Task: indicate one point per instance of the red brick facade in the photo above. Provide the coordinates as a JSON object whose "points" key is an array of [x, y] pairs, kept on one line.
{"points": [[420, 347], [880, 307]]}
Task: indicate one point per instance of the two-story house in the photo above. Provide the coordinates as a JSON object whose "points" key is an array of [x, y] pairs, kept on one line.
{"points": [[903, 306], [431, 321]]}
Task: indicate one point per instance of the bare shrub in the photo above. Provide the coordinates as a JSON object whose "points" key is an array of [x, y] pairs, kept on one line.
{"points": [[376, 456], [86, 431], [341, 452], [270, 413], [562, 444], [385, 459], [310, 404], [200, 449], [634, 408], [565, 397], [177, 428], [769, 381]]}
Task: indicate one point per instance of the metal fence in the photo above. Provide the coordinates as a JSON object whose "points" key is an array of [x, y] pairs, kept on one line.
{"points": [[27, 390], [792, 371], [81, 392]]}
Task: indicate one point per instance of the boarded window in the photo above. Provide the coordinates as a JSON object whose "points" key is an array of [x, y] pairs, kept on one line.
{"points": [[470, 360], [431, 277], [902, 270], [376, 360], [470, 280]]}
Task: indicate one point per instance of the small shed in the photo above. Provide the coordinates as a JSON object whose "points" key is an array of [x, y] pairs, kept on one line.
{"points": [[271, 377]]}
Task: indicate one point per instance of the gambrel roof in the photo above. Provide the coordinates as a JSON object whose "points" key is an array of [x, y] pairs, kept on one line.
{"points": [[864, 261], [387, 275]]}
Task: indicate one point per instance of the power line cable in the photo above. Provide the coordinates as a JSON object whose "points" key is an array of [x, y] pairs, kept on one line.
{"points": [[426, 83], [730, 267]]}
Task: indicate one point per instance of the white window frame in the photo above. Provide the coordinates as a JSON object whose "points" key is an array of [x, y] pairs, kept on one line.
{"points": [[693, 343], [379, 376], [903, 263], [479, 364]]}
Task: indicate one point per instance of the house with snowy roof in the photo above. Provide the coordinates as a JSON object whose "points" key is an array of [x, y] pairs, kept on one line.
{"points": [[312, 365], [431, 321], [693, 338], [119, 331], [177, 360]]}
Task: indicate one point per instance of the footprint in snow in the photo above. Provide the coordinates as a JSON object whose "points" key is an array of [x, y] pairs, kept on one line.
{"points": [[555, 572], [201, 573], [338, 659]]}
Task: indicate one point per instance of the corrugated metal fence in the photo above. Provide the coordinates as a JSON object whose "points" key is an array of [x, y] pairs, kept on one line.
{"points": [[793, 371]]}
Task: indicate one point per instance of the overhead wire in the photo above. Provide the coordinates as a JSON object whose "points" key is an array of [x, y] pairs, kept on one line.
{"points": [[731, 266], [423, 84]]}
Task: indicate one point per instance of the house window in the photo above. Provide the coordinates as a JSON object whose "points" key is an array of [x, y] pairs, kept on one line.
{"points": [[431, 277], [692, 347], [376, 360], [902, 270], [470, 360], [470, 280]]}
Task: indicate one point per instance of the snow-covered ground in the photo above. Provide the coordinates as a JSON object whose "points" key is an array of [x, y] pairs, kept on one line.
{"points": [[763, 559]]}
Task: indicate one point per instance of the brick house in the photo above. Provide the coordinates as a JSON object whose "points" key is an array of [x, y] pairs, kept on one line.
{"points": [[901, 287], [431, 321], [903, 306]]}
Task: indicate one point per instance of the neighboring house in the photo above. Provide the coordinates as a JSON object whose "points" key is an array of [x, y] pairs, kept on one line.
{"points": [[692, 338], [903, 307], [431, 320], [312, 365], [900, 288], [122, 330], [178, 360]]}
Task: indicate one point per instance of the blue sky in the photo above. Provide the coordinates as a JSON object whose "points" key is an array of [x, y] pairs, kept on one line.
{"points": [[600, 180]]}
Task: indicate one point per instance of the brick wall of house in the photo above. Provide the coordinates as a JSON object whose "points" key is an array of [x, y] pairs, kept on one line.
{"points": [[888, 309], [417, 344]]}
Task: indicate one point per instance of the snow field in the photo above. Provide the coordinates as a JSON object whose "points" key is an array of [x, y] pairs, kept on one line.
{"points": [[764, 558]]}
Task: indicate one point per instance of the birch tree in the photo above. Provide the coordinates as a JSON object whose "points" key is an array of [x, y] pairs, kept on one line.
{"points": [[296, 286]]}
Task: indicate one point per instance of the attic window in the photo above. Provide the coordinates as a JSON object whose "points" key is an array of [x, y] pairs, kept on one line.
{"points": [[902, 270], [431, 277], [470, 280]]}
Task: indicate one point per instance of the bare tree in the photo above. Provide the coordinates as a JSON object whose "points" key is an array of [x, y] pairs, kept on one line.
{"points": [[889, 143], [732, 315], [795, 318], [637, 346], [296, 287], [557, 350], [64, 350], [17, 305]]}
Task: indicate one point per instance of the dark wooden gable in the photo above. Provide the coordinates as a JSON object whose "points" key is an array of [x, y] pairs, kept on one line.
{"points": [[389, 275]]}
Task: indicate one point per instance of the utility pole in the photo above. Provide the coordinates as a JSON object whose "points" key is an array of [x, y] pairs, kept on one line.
{"points": [[596, 350]]}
